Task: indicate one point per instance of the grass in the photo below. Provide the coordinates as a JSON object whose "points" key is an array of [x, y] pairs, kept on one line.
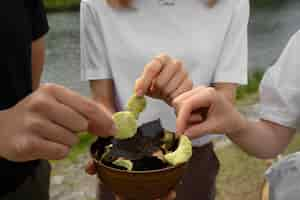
{"points": [[261, 3], [241, 176], [254, 80], [61, 5]]}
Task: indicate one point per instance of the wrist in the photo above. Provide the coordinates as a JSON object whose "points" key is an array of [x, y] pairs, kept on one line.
{"points": [[239, 127]]}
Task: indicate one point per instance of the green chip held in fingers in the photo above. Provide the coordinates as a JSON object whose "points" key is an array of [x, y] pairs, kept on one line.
{"points": [[136, 104], [182, 154], [126, 125]]}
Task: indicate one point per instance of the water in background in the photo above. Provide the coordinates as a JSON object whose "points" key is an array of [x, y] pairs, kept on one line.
{"points": [[269, 31]]}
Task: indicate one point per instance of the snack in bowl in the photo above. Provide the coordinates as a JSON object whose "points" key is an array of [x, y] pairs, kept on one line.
{"points": [[140, 163]]}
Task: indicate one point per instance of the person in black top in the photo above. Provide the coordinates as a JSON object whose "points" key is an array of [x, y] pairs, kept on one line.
{"points": [[36, 122]]}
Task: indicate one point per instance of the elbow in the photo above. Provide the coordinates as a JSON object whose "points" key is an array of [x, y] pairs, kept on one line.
{"points": [[269, 154], [266, 156]]}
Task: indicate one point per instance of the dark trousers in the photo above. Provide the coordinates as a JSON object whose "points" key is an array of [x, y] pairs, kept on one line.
{"points": [[199, 182], [36, 187]]}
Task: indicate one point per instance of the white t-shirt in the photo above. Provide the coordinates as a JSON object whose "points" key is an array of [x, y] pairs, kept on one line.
{"points": [[284, 178], [212, 43], [280, 87]]}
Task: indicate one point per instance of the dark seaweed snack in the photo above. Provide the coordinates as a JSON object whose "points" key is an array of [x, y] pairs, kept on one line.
{"points": [[147, 141], [151, 148], [148, 163], [152, 130], [98, 147]]}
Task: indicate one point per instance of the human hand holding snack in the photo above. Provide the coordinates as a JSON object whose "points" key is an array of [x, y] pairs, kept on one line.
{"points": [[220, 115], [163, 78], [145, 148], [45, 124]]}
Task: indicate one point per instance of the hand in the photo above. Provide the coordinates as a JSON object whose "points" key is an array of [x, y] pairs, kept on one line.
{"points": [[163, 78], [213, 113], [44, 125]]}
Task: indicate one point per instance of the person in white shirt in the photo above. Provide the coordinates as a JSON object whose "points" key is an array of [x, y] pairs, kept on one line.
{"points": [[119, 37], [266, 138]]}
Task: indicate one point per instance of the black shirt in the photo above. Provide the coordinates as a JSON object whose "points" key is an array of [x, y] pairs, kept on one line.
{"points": [[22, 21]]}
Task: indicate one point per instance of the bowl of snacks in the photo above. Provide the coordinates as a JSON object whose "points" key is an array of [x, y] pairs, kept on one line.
{"points": [[140, 162]]}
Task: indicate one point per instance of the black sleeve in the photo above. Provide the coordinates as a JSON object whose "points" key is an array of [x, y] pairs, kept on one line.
{"points": [[39, 19]]}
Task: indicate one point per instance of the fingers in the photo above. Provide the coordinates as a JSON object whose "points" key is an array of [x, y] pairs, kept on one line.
{"points": [[64, 116], [88, 109], [33, 148], [185, 86], [171, 196], [150, 73], [179, 99], [117, 197], [195, 118], [177, 79], [164, 78], [198, 130], [202, 99], [51, 151], [57, 134], [169, 73], [91, 168]]}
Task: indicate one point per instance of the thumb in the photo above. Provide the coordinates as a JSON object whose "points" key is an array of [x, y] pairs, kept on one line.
{"points": [[198, 102], [139, 87]]}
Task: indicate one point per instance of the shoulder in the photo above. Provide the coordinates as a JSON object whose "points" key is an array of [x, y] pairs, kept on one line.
{"points": [[295, 40]]}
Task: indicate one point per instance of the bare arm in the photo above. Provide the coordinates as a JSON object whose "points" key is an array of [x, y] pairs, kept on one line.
{"points": [[38, 60], [258, 133], [262, 139], [103, 93]]}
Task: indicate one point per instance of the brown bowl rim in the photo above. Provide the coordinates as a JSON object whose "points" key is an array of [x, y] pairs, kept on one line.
{"points": [[99, 163]]}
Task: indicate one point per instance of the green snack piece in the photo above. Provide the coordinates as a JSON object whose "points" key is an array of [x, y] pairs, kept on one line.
{"points": [[182, 154], [136, 105], [126, 125], [168, 140], [106, 152], [124, 163]]}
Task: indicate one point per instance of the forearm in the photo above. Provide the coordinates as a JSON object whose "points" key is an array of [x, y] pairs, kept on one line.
{"points": [[36, 76], [110, 106], [262, 139], [38, 60], [103, 93]]}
